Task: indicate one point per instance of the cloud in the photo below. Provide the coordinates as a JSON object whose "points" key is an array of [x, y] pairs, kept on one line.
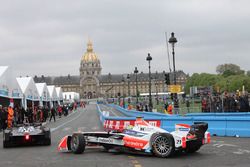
{"points": [[49, 37]]}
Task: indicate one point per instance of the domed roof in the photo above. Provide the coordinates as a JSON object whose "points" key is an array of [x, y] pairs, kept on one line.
{"points": [[90, 56]]}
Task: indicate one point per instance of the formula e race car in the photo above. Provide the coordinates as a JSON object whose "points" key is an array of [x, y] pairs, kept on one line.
{"points": [[26, 134], [142, 137]]}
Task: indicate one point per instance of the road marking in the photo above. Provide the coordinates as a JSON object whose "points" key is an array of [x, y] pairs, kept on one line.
{"points": [[54, 129], [81, 129], [67, 129], [241, 151], [224, 144], [131, 157], [134, 161], [137, 165]]}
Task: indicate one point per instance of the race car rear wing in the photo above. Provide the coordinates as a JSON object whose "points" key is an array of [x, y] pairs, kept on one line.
{"points": [[198, 129]]}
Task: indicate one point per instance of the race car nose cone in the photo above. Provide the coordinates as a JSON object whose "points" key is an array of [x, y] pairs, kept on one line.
{"points": [[63, 145]]}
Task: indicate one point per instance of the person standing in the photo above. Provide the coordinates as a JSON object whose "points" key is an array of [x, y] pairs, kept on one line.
{"points": [[1, 118], [188, 105], [45, 113], [53, 113], [59, 109], [22, 114], [10, 116], [170, 109], [4, 118]]}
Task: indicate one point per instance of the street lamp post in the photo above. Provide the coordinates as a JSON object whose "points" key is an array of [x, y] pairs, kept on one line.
{"points": [[156, 87], [128, 78], [136, 82], [172, 41], [123, 99], [150, 106]]}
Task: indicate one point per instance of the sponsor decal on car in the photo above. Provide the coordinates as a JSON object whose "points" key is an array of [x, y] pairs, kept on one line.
{"points": [[105, 140], [134, 142]]}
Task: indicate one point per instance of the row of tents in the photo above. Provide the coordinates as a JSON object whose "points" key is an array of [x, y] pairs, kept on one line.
{"points": [[23, 91]]}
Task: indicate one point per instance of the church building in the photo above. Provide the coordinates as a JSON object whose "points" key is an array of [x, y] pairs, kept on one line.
{"points": [[91, 83]]}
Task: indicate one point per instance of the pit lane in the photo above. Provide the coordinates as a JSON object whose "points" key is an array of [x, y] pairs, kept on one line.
{"points": [[221, 152]]}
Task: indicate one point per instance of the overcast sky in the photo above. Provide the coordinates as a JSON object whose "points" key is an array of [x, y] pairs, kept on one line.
{"points": [[48, 37]]}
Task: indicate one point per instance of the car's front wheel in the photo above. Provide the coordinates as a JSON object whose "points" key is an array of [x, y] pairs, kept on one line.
{"points": [[163, 145], [77, 143]]}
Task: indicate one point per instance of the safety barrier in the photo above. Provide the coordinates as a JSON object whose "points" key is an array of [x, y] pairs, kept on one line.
{"points": [[225, 114], [220, 124]]}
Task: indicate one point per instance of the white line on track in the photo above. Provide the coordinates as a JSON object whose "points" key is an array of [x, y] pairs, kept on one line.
{"points": [[56, 128]]}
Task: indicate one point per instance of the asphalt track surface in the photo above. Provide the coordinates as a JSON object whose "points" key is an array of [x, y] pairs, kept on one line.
{"points": [[222, 152]]}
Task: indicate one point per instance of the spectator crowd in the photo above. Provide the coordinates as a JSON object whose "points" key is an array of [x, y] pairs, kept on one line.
{"points": [[228, 103], [12, 116]]}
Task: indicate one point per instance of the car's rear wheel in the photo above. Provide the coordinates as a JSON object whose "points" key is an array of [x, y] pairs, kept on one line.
{"points": [[163, 145], [193, 147], [77, 143], [47, 142], [6, 144], [47, 135]]}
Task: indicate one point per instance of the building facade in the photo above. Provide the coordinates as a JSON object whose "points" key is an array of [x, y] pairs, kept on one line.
{"points": [[92, 84]]}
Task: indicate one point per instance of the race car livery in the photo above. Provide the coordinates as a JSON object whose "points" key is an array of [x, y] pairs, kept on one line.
{"points": [[26, 134], [142, 137]]}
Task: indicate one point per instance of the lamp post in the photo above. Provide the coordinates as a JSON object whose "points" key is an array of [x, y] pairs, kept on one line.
{"points": [[172, 41], [156, 87], [150, 105], [123, 99], [128, 78], [136, 82]]}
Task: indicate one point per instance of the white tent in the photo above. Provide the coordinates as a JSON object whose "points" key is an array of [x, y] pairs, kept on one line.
{"points": [[70, 97], [4, 85], [59, 94], [28, 89], [9, 87], [43, 93], [52, 93]]}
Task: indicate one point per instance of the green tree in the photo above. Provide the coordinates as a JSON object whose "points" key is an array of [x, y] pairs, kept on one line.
{"points": [[248, 73], [229, 69]]}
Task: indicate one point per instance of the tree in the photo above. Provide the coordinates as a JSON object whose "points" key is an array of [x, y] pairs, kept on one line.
{"points": [[248, 73], [203, 79], [229, 69]]}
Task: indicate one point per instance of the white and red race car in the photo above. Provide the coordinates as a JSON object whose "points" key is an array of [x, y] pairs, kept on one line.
{"points": [[141, 137]]}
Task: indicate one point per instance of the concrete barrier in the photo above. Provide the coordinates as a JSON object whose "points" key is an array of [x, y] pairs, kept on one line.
{"points": [[225, 114], [219, 124]]}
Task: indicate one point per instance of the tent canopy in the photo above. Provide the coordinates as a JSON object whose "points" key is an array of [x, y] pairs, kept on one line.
{"points": [[43, 91], [28, 88], [52, 93], [4, 87], [59, 93], [8, 84]]}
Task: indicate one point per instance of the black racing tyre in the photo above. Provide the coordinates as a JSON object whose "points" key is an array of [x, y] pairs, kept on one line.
{"points": [[77, 143], [193, 147], [6, 144], [47, 142], [163, 145]]}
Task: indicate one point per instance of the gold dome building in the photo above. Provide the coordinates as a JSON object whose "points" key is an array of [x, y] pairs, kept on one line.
{"points": [[90, 69], [92, 84]]}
